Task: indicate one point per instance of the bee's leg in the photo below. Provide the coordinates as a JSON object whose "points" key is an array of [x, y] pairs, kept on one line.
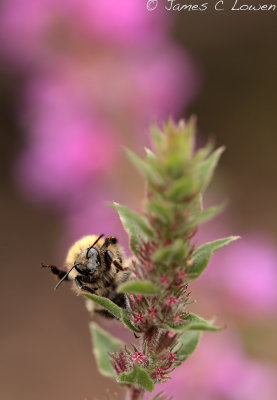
{"points": [[108, 240], [109, 259], [56, 271], [80, 283], [120, 300], [117, 265], [108, 255]]}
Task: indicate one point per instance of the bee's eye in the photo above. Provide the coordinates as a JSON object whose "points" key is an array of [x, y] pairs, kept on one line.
{"points": [[93, 259], [93, 254]]}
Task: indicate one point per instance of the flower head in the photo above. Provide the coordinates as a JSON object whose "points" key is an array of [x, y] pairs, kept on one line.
{"points": [[139, 357]]}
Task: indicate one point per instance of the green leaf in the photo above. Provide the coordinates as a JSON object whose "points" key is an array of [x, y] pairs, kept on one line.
{"points": [[203, 153], [200, 324], [138, 376], [205, 215], [210, 213], [126, 321], [103, 344], [206, 168], [140, 287], [194, 323], [105, 303], [188, 341], [181, 189], [146, 167], [150, 155], [201, 256], [136, 226], [160, 210], [175, 252], [120, 313], [158, 138]]}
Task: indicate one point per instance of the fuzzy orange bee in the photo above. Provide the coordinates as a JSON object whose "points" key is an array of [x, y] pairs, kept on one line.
{"points": [[96, 265]]}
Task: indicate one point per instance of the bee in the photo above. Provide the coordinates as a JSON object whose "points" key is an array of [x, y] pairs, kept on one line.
{"points": [[95, 265]]}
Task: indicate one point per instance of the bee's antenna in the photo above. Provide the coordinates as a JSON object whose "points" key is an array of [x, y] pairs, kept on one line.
{"points": [[64, 277], [99, 237]]}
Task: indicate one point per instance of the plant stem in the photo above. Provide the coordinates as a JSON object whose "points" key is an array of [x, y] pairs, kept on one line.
{"points": [[135, 393]]}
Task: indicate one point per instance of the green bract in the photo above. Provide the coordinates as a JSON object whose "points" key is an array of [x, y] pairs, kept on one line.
{"points": [[138, 376], [103, 344]]}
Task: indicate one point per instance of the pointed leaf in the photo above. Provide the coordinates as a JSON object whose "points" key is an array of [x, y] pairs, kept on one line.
{"points": [[194, 323], [205, 215], [147, 168], [138, 376], [201, 256], [131, 220], [103, 344], [160, 210], [204, 152], [158, 138], [210, 213], [126, 321], [139, 287], [207, 167], [136, 226], [150, 155], [188, 341], [200, 324], [175, 252], [105, 303], [181, 189]]}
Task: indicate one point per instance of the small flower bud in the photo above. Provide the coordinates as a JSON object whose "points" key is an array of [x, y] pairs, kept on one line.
{"points": [[171, 300], [172, 357], [159, 373]]}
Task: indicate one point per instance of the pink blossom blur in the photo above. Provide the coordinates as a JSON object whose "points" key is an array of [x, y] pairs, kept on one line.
{"points": [[95, 75], [243, 275], [219, 369]]}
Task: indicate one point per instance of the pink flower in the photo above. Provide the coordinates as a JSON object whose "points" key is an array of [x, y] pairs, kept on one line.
{"points": [[181, 275], [138, 318], [159, 373], [139, 357], [171, 334], [171, 300], [152, 312], [172, 357], [164, 280]]}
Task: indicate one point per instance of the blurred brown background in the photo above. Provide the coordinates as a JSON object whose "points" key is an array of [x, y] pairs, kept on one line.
{"points": [[46, 347]]}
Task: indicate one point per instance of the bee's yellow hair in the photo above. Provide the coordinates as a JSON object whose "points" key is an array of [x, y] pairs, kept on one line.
{"points": [[81, 244]]}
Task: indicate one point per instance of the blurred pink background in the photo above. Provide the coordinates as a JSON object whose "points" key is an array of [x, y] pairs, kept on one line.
{"points": [[79, 81]]}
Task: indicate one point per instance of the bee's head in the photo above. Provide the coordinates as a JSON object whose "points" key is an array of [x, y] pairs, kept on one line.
{"points": [[92, 265], [89, 263]]}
